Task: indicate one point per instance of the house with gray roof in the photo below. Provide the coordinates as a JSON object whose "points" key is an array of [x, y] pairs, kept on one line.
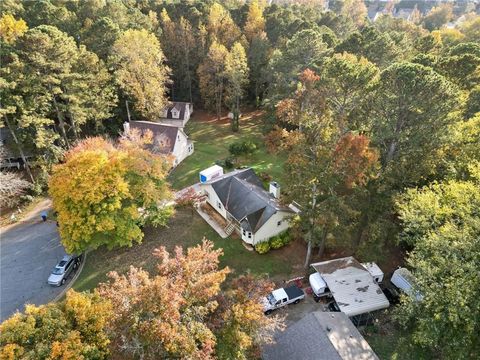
{"points": [[320, 336], [240, 198], [167, 139], [177, 113]]}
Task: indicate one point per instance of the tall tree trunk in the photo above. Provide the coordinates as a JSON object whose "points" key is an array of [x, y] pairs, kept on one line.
{"points": [[361, 229], [312, 226], [61, 122], [309, 254], [187, 61], [219, 100], [20, 149], [74, 128], [321, 246]]}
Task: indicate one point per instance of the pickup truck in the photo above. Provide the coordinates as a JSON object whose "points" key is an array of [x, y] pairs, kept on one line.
{"points": [[281, 297]]}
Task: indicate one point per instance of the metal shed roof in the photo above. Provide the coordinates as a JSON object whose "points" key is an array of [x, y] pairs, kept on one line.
{"points": [[352, 286]]}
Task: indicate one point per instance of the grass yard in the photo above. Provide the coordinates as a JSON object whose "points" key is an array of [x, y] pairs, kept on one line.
{"points": [[212, 138], [185, 229]]}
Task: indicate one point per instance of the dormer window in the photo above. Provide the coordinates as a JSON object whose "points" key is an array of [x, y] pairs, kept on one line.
{"points": [[165, 113], [175, 114]]}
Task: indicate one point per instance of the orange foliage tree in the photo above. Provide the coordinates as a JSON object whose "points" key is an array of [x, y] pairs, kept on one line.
{"points": [[180, 312]]}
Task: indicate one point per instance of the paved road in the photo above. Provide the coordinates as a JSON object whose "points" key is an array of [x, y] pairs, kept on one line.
{"points": [[28, 252]]}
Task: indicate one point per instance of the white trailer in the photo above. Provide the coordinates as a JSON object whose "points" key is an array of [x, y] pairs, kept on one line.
{"points": [[210, 173], [404, 280], [351, 284]]}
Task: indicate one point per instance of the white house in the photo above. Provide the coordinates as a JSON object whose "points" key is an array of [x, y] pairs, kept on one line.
{"points": [[167, 139], [249, 209], [177, 113]]}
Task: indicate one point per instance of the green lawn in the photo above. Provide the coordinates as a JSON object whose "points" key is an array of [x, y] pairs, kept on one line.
{"points": [[211, 140], [185, 229]]}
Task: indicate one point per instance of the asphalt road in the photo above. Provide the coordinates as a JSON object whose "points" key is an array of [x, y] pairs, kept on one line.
{"points": [[28, 253]]}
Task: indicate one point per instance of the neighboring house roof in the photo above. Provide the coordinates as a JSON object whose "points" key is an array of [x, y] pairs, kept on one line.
{"points": [[320, 335], [243, 196], [352, 286], [179, 106], [404, 14], [164, 136]]}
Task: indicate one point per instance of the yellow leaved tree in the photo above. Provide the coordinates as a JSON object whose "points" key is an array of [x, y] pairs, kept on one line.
{"points": [[103, 193]]}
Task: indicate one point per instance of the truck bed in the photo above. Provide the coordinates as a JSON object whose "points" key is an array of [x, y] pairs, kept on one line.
{"points": [[294, 292]]}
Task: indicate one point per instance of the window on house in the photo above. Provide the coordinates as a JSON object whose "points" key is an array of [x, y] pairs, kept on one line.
{"points": [[279, 223], [219, 204], [244, 232], [175, 114], [249, 235]]}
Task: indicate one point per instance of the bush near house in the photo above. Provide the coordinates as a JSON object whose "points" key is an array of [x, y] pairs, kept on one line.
{"points": [[262, 247], [275, 242]]}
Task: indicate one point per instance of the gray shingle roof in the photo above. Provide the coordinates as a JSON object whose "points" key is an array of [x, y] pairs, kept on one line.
{"points": [[243, 196], [164, 136], [179, 106], [320, 336]]}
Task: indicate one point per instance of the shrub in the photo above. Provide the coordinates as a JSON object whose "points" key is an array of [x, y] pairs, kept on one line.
{"points": [[276, 242], [262, 247], [246, 147], [280, 240]]}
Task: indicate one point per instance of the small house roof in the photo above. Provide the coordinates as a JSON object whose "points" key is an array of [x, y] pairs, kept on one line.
{"points": [[243, 196], [164, 136], [352, 286], [320, 335], [179, 106]]}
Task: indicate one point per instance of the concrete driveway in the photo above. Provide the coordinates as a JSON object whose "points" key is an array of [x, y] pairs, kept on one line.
{"points": [[28, 252]]}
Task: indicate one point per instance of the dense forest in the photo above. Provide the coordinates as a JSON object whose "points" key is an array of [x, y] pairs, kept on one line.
{"points": [[380, 120]]}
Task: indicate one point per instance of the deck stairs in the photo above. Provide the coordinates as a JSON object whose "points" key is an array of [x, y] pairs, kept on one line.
{"points": [[229, 228]]}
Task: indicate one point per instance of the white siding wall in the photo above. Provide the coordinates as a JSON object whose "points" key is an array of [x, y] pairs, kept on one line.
{"points": [[271, 227], [180, 150], [213, 200]]}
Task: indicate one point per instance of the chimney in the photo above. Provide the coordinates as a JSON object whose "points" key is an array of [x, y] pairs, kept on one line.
{"points": [[126, 127], [274, 189]]}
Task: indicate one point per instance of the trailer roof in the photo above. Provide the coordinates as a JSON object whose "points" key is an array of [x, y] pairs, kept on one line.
{"points": [[352, 286]]}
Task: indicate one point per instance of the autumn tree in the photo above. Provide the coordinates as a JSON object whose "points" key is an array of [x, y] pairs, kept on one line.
{"points": [[11, 29], [178, 312], [71, 329], [211, 73], [442, 223], [103, 193], [220, 26], [356, 10], [438, 16], [239, 322], [324, 164], [255, 23], [140, 71], [236, 75]]}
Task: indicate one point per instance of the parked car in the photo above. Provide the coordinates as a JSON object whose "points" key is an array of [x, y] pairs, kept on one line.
{"points": [[281, 297], [63, 269]]}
